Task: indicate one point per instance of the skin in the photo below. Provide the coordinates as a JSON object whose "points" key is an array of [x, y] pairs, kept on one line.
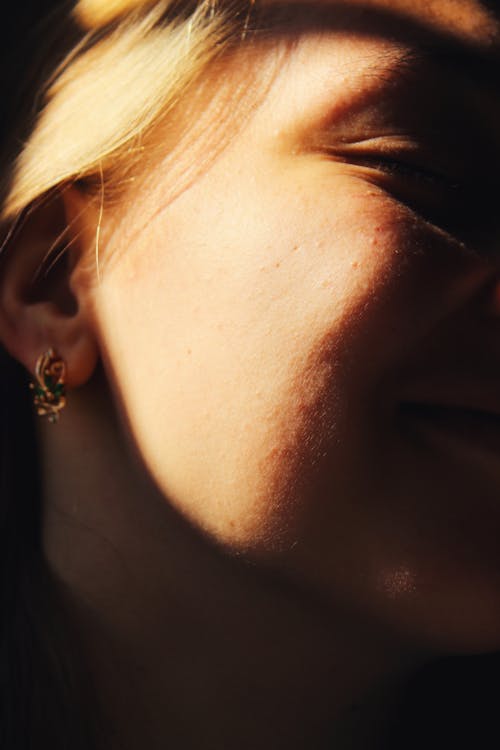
{"points": [[235, 495]]}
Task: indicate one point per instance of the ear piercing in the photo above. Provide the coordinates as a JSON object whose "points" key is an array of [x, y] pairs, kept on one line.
{"points": [[49, 393]]}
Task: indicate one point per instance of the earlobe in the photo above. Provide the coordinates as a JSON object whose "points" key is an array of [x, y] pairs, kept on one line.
{"points": [[39, 307]]}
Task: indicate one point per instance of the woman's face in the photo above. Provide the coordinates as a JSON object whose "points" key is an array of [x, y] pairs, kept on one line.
{"points": [[306, 339]]}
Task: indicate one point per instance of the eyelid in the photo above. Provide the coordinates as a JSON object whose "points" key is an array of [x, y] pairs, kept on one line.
{"points": [[405, 153], [417, 170]]}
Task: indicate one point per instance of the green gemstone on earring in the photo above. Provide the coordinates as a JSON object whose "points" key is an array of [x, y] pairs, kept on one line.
{"points": [[49, 391]]}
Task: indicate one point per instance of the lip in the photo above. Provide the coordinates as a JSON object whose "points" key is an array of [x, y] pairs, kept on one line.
{"points": [[467, 392], [477, 430]]}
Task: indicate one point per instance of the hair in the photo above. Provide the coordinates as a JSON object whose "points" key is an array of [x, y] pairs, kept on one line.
{"points": [[103, 74], [97, 77], [128, 70]]}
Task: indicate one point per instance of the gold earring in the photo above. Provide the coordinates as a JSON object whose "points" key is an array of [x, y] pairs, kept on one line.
{"points": [[50, 396]]}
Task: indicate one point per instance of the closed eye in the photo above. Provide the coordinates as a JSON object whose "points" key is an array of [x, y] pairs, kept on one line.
{"points": [[409, 176], [413, 160], [407, 170]]}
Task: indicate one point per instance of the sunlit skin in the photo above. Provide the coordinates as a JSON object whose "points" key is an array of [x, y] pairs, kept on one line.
{"points": [[259, 529]]}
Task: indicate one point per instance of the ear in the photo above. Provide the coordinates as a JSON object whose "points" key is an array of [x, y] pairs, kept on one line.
{"points": [[41, 305]]}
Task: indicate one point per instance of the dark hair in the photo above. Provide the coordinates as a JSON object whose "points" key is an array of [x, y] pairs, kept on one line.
{"points": [[43, 699]]}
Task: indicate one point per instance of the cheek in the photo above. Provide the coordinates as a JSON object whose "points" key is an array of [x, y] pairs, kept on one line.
{"points": [[223, 328]]}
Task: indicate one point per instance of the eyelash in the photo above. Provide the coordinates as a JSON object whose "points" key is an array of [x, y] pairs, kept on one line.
{"points": [[408, 170]]}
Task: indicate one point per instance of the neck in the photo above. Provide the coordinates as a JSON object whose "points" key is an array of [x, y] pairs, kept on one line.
{"points": [[190, 645]]}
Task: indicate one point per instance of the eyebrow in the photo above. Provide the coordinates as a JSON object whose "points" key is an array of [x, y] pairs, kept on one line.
{"points": [[423, 44]]}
